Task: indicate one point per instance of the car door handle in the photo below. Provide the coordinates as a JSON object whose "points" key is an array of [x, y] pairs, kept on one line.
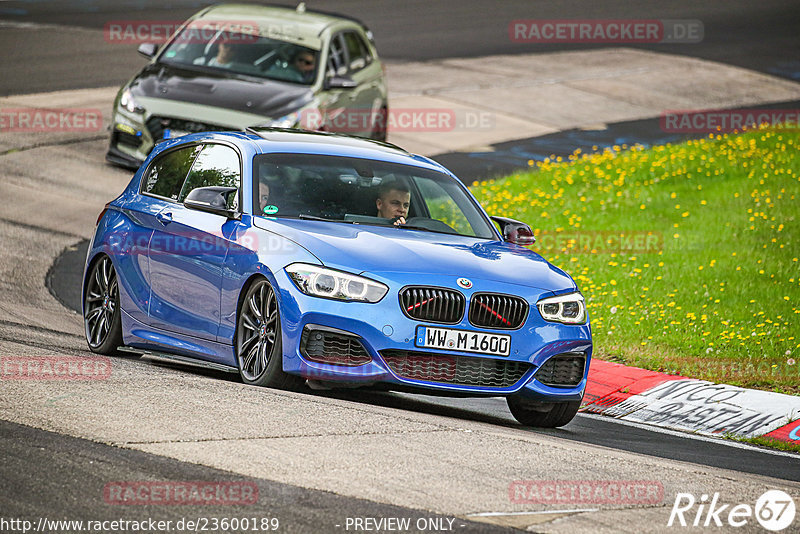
{"points": [[164, 218]]}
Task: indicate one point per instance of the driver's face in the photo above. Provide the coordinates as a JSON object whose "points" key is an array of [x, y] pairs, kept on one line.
{"points": [[394, 204], [304, 63], [263, 193]]}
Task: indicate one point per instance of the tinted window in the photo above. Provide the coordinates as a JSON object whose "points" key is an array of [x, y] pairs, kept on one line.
{"points": [[356, 50], [217, 165], [166, 174], [336, 58], [346, 189], [240, 53]]}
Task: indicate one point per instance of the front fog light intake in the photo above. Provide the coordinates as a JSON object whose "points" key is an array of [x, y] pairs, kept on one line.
{"points": [[570, 309], [323, 282]]}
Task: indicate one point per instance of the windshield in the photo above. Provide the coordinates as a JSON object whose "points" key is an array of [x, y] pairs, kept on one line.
{"points": [[240, 53], [363, 191]]}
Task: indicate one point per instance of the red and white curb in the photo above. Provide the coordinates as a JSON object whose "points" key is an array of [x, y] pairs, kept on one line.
{"points": [[680, 403]]}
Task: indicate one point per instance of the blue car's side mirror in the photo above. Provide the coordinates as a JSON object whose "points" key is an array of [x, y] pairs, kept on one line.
{"points": [[211, 200], [515, 232]]}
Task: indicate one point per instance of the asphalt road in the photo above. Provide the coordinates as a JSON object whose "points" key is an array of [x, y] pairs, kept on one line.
{"points": [[52, 477], [760, 35], [64, 281], [39, 465]]}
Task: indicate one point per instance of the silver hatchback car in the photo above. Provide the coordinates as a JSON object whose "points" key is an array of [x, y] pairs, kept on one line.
{"points": [[230, 67]]}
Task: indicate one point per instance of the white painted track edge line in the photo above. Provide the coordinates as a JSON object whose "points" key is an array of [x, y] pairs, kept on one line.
{"points": [[689, 435]]}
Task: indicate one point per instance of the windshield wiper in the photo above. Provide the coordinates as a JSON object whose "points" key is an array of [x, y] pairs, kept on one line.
{"points": [[315, 218], [424, 229]]}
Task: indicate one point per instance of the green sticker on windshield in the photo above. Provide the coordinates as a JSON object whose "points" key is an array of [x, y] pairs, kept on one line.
{"points": [[270, 209], [170, 53]]}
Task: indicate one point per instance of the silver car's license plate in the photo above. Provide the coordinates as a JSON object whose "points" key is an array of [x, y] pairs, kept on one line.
{"points": [[463, 340]]}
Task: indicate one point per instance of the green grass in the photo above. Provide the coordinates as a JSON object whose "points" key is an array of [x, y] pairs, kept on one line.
{"points": [[772, 443], [711, 288]]}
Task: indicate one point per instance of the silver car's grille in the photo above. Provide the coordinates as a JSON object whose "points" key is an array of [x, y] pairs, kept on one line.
{"points": [[157, 125]]}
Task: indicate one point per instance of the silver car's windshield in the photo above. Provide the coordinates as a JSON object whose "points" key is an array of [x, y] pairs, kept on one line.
{"points": [[364, 191], [245, 54]]}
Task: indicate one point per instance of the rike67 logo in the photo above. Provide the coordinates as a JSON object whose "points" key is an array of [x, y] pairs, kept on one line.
{"points": [[774, 511]]}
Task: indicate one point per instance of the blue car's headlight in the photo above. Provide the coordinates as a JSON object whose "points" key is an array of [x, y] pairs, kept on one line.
{"points": [[569, 308], [323, 282]]}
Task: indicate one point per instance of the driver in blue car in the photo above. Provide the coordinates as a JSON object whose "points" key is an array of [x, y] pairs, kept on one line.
{"points": [[394, 199]]}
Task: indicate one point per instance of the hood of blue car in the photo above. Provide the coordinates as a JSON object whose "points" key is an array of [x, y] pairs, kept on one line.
{"points": [[220, 89], [385, 250]]}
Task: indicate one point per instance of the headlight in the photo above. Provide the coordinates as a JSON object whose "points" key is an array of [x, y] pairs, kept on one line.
{"points": [[287, 121], [127, 102], [569, 309], [327, 283]]}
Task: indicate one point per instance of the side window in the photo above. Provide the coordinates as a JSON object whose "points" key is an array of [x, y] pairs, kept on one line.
{"points": [[356, 51], [217, 165], [166, 174], [337, 63]]}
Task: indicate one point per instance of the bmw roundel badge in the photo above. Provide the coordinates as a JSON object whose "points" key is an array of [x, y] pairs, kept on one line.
{"points": [[464, 282]]}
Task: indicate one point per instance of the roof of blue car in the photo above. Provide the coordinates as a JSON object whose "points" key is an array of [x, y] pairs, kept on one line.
{"points": [[282, 140]]}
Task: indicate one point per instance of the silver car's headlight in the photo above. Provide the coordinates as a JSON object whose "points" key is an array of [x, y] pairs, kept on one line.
{"points": [[127, 102], [287, 121], [570, 309], [323, 282]]}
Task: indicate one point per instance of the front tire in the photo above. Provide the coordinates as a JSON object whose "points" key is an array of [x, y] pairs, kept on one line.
{"points": [[542, 414], [259, 349], [102, 318]]}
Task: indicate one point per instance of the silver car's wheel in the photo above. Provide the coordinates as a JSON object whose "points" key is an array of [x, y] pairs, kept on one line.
{"points": [[101, 317]]}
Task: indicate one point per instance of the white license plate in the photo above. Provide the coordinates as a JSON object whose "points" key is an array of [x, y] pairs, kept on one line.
{"points": [[463, 340]]}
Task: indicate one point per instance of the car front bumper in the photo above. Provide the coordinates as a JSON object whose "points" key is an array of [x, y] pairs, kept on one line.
{"points": [[390, 357]]}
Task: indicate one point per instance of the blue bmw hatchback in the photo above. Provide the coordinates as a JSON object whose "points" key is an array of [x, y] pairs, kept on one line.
{"points": [[309, 259]]}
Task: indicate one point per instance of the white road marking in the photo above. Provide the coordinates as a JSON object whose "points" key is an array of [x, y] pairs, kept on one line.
{"points": [[719, 441], [493, 514]]}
